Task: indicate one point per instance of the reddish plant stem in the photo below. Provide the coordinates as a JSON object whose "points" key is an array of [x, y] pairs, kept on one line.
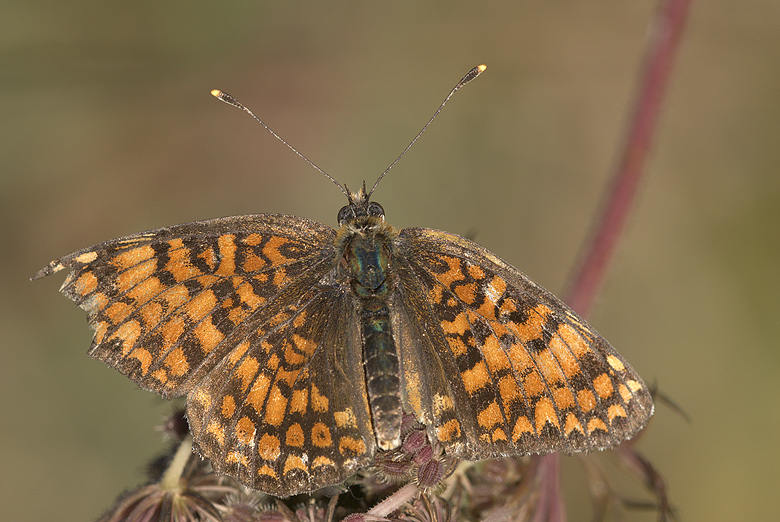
{"points": [[662, 47]]}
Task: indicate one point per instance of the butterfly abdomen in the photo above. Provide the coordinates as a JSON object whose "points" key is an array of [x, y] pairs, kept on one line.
{"points": [[380, 357], [368, 259]]}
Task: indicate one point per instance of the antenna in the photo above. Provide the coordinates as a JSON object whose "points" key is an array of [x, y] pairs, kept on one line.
{"points": [[472, 74], [225, 97]]}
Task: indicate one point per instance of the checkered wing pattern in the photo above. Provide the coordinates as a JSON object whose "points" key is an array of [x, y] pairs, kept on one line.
{"points": [[246, 317], [511, 369]]}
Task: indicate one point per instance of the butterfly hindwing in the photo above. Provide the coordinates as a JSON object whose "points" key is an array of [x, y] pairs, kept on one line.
{"points": [[286, 410], [527, 374]]}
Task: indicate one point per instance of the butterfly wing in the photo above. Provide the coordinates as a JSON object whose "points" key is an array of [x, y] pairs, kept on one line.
{"points": [[247, 317], [514, 370], [163, 302], [286, 411]]}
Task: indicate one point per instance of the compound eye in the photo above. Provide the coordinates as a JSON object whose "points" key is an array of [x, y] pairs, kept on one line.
{"points": [[346, 213], [375, 209]]}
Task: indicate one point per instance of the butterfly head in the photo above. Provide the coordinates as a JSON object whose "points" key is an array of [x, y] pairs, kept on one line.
{"points": [[361, 213]]}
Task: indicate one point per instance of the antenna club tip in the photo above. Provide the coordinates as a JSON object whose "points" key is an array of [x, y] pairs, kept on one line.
{"points": [[480, 68], [216, 93]]}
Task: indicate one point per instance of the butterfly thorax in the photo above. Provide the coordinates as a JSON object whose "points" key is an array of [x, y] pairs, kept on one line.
{"points": [[365, 241]]}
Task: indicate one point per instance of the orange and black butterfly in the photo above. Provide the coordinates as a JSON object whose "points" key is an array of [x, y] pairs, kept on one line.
{"points": [[300, 347]]}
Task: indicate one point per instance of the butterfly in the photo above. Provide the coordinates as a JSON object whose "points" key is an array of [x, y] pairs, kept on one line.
{"points": [[300, 347]]}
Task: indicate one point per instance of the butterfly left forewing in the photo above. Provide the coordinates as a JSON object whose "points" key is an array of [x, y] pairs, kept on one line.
{"points": [[534, 376], [164, 303]]}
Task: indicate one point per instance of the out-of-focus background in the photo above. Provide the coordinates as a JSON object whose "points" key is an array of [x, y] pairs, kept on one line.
{"points": [[108, 128]]}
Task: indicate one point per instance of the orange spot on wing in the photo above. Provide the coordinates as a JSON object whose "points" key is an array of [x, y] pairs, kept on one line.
{"points": [[268, 447], [490, 416], [533, 384], [253, 263], [563, 398], [228, 406], [247, 295], [603, 386], [319, 402], [508, 390], [134, 275], [171, 330], [457, 346], [209, 257], [132, 257], [523, 425], [179, 265], [475, 378], [304, 345], [572, 424], [457, 326], [544, 413], [586, 400], [245, 430], [271, 250], [227, 255], [235, 457], [267, 471], [597, 424], [320, 435], [129, 333], [294, 462], [568, 362], [351, 446], [453, 274], [276, 407], [466, 293], [86, 257], [345, 419], [294, 436], [238, 352], [449, 431], [144, 357], [322, 462], [574, 340], [298, 401], [494, 354], [498, 435], [161, 376], [201, 305], [533, 327], [145, 290], [616, 410], [625, 394], [85, 284], [256, 396], [118, 311], [615, 363], [549, 367], [175, 296], [280, 278], [208, 335], [217, 431], [177, 363], [252, 239], [476, 272]]}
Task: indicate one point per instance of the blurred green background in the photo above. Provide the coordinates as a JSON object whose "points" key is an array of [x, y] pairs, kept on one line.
{"points": [[108, 128]]}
